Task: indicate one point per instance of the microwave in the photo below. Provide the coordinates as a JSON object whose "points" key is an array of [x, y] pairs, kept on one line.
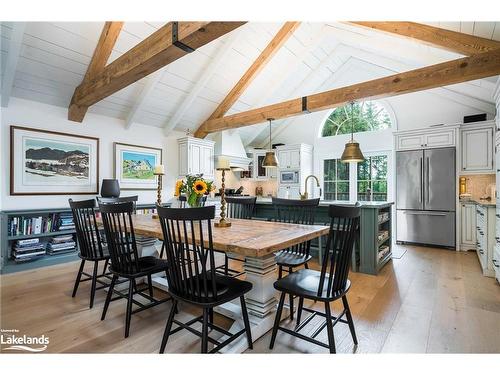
{"points": [[289, 177]]}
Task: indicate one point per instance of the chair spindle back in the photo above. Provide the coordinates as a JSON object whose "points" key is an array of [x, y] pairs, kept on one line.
{"points": [[187, 234], [119, 229], [87, 231], [240, 207], [344, 225]]}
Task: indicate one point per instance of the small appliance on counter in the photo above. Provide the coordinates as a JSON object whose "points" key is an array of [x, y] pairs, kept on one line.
{"points": [[259, 191]]}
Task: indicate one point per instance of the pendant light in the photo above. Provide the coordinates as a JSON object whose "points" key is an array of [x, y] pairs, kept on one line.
{"points": [[270, 160], [352, 153]]}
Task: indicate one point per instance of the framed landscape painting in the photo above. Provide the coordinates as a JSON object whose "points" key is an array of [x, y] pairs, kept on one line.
{"points": [[44, 162], [134, 166]]}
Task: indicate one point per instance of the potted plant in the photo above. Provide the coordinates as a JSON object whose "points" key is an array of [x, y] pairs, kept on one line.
{"points": [[195, 187]]}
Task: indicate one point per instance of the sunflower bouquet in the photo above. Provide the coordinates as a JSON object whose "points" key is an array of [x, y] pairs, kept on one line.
{"points": [[194, 187]]}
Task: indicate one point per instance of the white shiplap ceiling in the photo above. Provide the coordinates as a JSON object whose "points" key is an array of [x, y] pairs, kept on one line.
{"points": [[54, 58]]}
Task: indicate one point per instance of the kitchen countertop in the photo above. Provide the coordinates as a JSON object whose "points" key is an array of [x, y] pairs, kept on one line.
{"points": [[268, 200], [485, 203], [365, 204]]}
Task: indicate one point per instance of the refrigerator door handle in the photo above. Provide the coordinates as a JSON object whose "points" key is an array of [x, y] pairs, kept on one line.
{"points": [[427, 182], [421, 180], [426, 213]]}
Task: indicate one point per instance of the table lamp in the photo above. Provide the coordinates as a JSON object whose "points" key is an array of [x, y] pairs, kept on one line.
{"points": [[223, 165]]}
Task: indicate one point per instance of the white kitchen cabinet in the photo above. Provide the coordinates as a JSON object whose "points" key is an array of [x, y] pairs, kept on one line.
{"points": [[257, 171], [289, 159], [426, 138], [196, 156], [477, 148], [468, 226], [496, 262], [485, 238]]}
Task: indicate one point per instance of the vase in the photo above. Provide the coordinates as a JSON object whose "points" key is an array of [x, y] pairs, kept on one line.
{"points": [[195, 202]]}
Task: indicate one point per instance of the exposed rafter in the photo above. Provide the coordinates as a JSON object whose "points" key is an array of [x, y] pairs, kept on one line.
{"points": [[167, 44], [201, 82], [149, 86], [450, 40], [265, 56], [478, 66], [306, 85], [275, 85], [9, 69], [342, 65]]}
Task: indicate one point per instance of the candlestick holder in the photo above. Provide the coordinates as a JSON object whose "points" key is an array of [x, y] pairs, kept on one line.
{"points": [[158, 192], [223, 222]]}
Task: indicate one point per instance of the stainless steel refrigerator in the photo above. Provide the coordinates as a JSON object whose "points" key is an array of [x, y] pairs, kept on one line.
{"points": [[425, 199]]}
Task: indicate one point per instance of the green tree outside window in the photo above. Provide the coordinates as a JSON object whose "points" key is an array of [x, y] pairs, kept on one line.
{"points": [[366, 116]]}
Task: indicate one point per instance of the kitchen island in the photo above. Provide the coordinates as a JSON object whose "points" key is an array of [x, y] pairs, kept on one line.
{"points": [[373, 248]]}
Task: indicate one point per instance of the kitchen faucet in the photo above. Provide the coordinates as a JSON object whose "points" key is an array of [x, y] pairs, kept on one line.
{"points": [[305, 195]]}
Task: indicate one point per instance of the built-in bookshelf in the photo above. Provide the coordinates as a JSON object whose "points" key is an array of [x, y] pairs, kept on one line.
{"points": [[38, 238]]}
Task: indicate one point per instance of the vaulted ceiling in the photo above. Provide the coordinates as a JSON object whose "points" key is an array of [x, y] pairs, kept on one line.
{"points": [[53, 59]]}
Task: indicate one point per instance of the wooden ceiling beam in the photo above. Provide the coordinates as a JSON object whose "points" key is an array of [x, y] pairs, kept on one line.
{"points": [[100, 57], [478, 66], [453, 41], [156, 51], [265, 56]]}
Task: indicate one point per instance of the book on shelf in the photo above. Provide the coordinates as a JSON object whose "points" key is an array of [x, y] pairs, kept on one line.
{"points": [[26, 250], [29, 225], [61, 244]]}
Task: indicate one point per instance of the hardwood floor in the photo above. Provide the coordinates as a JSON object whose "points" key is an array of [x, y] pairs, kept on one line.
{"points": [[430, 300]]}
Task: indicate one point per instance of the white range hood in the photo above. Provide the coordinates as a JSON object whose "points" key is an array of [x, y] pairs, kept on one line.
{"points": [[228, 144]]}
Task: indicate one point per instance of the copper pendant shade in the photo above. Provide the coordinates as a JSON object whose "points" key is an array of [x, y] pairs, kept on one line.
{"points": [[270, 160], [352, 153]]}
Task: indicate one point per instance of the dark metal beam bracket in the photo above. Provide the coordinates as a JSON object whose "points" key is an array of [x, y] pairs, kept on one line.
{"points": [[175, 39], [304, 105]]}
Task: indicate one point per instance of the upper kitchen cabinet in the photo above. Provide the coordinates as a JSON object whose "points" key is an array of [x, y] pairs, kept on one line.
{"points": [[477, 145], [256, 170], [426, 138], [289, 158], [196, 156]]}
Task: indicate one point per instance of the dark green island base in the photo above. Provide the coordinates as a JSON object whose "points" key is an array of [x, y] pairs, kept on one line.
{"points": [[374, 248]]}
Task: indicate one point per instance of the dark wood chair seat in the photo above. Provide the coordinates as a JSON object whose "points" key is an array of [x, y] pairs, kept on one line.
{"points": [[227, 289], [291, 259], [305, 283], [145, 265]]}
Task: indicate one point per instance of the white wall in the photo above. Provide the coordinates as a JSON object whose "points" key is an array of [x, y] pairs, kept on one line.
{"points": [[26, 113]]}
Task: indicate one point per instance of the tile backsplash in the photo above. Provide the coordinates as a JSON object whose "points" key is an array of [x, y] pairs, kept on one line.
{"points": [[477, 184]]}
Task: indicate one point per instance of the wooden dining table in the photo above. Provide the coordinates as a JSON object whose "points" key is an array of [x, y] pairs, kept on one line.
{"points": [[257, 241]]}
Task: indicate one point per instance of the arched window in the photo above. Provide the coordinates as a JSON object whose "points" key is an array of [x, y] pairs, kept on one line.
{"points": [[364, 117]]}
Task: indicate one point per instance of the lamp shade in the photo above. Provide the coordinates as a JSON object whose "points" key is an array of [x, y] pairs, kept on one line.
{"points": [[270, 160], [352, 153], [110, 188]]}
